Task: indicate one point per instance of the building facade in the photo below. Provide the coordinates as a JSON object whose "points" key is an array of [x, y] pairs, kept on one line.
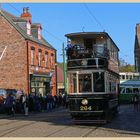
{"points": [[137, 48], [60, 80], [28, 61]]}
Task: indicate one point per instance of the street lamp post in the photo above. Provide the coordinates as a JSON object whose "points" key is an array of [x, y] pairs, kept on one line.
{"points": [[64, 69]]}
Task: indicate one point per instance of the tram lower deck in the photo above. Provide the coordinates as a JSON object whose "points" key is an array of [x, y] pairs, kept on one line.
{"points": [[92, 107], [93, 95]]}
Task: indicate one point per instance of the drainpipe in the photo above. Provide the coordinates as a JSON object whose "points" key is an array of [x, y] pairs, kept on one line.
{"points": [[55, 71], [28, 76], [64, 69]]}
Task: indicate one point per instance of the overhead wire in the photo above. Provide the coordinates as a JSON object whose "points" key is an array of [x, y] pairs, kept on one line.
{"points": [[93, 16], [51, 34], [97, 21]]}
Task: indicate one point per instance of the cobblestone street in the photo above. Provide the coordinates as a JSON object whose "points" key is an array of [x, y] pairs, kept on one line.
{"points": [[58, 123]]}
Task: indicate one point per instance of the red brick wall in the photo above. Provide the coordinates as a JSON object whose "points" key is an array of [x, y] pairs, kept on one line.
{"points": [[13, 66], [42, 69]]}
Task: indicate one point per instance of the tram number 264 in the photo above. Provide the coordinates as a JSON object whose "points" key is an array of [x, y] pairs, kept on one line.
{"points": [[85, 108]]}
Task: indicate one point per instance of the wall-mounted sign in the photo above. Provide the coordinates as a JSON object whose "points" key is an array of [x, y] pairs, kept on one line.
{"points": [[40, 79]]}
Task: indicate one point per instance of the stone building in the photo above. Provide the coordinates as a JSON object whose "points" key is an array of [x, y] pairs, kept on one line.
{"points": [[28, 61]]}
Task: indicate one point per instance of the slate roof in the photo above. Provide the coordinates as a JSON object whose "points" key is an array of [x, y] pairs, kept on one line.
{"points": [[12, 19]]}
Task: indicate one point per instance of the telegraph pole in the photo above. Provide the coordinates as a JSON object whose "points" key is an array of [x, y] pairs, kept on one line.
{"points": [[0, 6], [64, 68]]}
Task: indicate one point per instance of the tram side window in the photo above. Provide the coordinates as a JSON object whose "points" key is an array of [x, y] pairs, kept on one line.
{"points": [[135, 90], [85, 83], [74, 83], [99, 83], [129, 90], [123, 77], [122, 90]]}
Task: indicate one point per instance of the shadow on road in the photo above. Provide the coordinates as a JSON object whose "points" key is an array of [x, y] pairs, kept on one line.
{"points": [[127, 119]]}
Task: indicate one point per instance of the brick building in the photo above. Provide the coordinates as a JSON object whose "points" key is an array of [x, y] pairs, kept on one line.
{"points": [[137, 48], [60, 80], [29, 61]]}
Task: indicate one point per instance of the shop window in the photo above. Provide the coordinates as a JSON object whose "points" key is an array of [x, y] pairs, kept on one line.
{"points": [[46, 59], [51, 60], [39, 57], [32, 55]]}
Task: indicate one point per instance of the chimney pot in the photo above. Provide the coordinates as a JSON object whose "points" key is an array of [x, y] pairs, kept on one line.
{"points": [[25, 10], [26, 15]]}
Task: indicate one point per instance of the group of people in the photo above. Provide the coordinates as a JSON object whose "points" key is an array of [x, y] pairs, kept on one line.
{"points": [[31, 103]]}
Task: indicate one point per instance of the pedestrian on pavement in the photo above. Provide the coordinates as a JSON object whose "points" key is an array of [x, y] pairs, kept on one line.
{"points": [[9, 102], [26, 105]]}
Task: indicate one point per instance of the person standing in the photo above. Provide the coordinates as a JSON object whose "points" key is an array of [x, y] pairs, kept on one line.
{"points": [[69, 49], [9, 103], [26, 105]]}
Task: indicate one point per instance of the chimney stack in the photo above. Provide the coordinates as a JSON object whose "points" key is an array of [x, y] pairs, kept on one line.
{"points": [[138, 29], [26, 14]]}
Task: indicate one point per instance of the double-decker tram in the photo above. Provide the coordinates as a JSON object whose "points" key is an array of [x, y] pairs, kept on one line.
{"points": [[92, 76]]}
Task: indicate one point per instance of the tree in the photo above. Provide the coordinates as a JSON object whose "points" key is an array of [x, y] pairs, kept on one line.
{"points": [[125, 67]]}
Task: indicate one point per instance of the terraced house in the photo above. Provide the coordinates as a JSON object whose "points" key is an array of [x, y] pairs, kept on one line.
{"points": [[28, 61]]}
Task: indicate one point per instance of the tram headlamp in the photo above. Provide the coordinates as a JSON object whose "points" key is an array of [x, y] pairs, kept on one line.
{"points": [[84, 102]]}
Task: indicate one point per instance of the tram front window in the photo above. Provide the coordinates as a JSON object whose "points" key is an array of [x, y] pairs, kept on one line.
{"points": [[99, 82], [85, 83]]}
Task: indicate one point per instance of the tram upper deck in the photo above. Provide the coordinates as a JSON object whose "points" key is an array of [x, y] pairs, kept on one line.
{"points": [[91, 50]]}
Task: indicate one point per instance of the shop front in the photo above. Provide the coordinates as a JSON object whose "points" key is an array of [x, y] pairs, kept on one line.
{"points": [[40, 84]]}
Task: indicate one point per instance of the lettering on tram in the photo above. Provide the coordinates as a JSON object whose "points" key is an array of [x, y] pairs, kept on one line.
{"points": [[93, 76]]}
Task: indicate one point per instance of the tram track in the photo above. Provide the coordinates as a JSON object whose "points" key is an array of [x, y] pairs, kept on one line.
{"points": [[125, 132], [90, 131], [3, 124], [56, 131], [10, 130]]}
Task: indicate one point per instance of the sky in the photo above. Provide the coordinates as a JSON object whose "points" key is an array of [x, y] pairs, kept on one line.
{"points": [[57, 19]]}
